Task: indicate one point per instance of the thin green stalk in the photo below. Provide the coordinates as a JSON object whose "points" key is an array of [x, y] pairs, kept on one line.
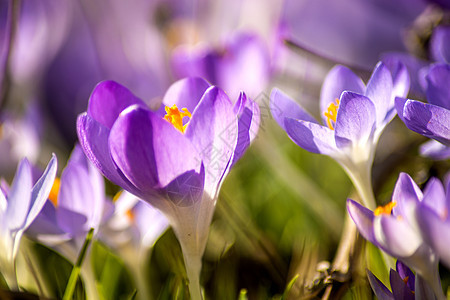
{"points": [[70, 288]]}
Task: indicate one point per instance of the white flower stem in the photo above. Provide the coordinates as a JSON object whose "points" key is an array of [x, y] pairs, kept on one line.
{"points": [[193, 265], [362, 180]]}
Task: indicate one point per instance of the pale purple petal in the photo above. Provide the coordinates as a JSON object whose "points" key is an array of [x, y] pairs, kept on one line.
{"points": [[435, 150], [429, 120], [185, 93], [406, 194], [107, 100], [282, 106], [355, 120], [149, 150], [213, 131], [440, 44], [380, 290], [339, 79], [71, 221], [379, 90], [93, 138], [41, 190], [404, 272], [399, 106], [150, 221], [312, 137], [19, 197], [248, 124], [399, 289], [436, 232], [438, 82], [434, 196], [186, 189], [363, 219]]}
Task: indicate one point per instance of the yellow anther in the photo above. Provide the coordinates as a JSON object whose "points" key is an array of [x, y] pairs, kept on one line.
{"points": [[386, 209], [130, 214], [53, 197], [331, 114], [117, 195], [175, 117]]}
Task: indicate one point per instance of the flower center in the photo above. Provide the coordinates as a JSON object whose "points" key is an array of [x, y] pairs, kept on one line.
{"points": [[385, 210], [175, 117], [331, 114], [53, 197]]}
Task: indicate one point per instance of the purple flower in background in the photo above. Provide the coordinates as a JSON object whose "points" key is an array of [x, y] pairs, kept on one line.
{"points": [[433, 218], [354, 116], [394, 229], [352, 32], [134, 222], [241, 63], [76, 204], [19, 206], [431, 119], [175, 158], [402, 284]]}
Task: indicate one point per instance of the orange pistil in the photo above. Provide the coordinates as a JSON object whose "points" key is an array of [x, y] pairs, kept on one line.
{"points": [[175, 117], [53, 197], [331, 114], [386, 209], [130, 215]]}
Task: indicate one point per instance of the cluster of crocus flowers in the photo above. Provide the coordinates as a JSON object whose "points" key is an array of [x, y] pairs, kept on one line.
{"points": [[177, 169], [410, 227], [353, 115], [19, 206]]}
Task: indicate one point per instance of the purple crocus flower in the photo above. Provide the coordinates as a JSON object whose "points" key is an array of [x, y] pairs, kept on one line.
{"points": [[19, 206], [431, 119], [402, 284], [174, 164], [394, 229], [354, 116], [76, 204], [241, 63], [433, 218]]}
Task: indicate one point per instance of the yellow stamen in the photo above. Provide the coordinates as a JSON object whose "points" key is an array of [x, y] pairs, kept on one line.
{"points": [[117, 195], [175, 117], [130, 214], [331, 114], [405, 280], [386, 209], [53, 197]]}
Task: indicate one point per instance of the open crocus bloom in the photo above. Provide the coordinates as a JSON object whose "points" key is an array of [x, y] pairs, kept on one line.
{"points": [[394, 228], [76, 204], [402, 284], [354, 116], [18, 208], [175, 158], [431, 119]]}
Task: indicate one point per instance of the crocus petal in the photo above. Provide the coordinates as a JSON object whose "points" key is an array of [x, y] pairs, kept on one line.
{"points": [[406, 195], [311, 136], [186, 189], [363, 219], [213, 130], [185, 93], [19, 197], [399, 106], [435, 231], [149, 150], [380, 290], [107, 100], [434, 196], [355, 120], [379, 90], [3, 203], [429, 120], [406, 273], [435, 150], [41, 190], [248, 124], [93, 138], [339, 79], [151, 222], [396, 237], [71, 221], [282, 107], [399, 289], [438, 85], [440, 44]]}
